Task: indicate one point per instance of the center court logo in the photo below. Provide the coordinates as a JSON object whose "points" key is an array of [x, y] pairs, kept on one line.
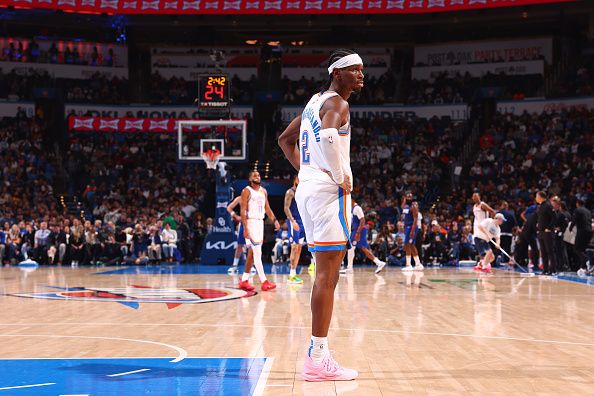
{"points": [[131, 296]]}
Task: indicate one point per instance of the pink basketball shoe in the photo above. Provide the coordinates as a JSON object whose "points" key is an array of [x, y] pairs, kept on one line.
{"points": [[327, 370]]}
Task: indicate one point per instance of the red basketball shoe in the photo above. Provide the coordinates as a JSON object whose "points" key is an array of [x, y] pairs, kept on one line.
{"points": [[266, 286], [245, 285]]}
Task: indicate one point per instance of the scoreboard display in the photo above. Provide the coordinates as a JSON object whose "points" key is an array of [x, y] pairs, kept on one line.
{"points": [[214, 95]]}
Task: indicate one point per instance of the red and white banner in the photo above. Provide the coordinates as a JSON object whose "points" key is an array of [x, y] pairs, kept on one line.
{"points": [[105, 124], [146, 111], [219, 7], [129, 125]]}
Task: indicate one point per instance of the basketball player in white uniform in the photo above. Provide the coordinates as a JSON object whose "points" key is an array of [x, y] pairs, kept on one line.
{"points": [[233, 270], [481, 212], [318, 145], [254, 206]]}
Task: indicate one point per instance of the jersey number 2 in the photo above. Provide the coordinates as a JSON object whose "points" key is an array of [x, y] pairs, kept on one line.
{"points": [[305, 148]]}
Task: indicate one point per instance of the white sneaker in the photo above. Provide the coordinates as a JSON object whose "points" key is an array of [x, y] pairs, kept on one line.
{"points": [[581, 272], [419, 267], [380, 267], [346, 271], [232, 270], [407, 268], [327, 370]]}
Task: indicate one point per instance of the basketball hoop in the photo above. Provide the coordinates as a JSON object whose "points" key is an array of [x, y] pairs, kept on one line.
{"points": [[211, 158]]}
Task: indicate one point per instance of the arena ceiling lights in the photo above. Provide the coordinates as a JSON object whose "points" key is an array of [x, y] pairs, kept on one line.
{"points": [[279, 7]]}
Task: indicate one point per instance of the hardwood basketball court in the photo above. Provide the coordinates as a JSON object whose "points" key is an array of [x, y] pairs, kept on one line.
{"points": [[444, 331]]}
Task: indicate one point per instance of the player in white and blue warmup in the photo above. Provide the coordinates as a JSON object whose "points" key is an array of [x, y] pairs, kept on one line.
{"points": [[318, 145], [359, 240]]}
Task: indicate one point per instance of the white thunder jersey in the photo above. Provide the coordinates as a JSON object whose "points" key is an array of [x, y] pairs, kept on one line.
{"points": [[479, 215], [314, 165], [256, 204]]}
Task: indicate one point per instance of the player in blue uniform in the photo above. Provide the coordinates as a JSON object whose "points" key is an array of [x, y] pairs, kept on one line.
{"points": [[359, 240], [410, 212], [296, 231]]}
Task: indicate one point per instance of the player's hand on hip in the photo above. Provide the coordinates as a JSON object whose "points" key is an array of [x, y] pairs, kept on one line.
{"points": [[246, 235], [346, 185], [276, 225], [295, 225]]}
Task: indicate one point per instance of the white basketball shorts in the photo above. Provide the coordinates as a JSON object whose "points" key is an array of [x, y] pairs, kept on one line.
{"points": [[325, 211], [255, 231]]}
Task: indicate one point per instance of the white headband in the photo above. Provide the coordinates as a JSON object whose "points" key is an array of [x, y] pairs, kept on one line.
{"points": [[349, 60]]}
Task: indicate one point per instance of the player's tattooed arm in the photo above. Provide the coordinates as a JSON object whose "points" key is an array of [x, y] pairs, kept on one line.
{"points": [[288, 199], [289, 196], [288, 142]]}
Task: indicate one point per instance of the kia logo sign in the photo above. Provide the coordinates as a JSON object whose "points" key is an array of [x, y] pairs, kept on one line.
{"points": [[220, 245]]}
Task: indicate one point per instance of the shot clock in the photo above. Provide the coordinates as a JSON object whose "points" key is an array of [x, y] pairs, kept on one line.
{"points": [[213, 95]]}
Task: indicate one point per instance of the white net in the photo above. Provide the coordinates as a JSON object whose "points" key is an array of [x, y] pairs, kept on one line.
{"points": [[211, 158]]}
